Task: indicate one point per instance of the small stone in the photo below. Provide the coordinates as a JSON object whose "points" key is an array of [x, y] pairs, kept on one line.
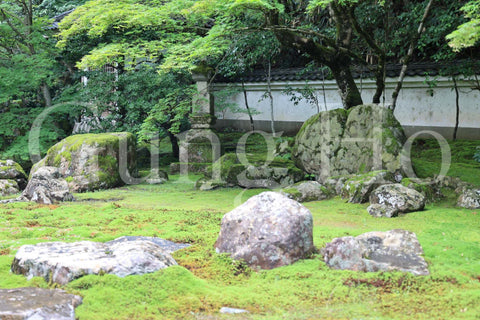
{"points": [[469, 199], [228, 310], [47, 187], [307, 191], [380, 210], [8, 187], [398, 197], [10, 170], [37, 304]]}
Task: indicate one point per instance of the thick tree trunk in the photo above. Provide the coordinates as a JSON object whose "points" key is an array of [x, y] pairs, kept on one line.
{"points": [[348, 89], [174, 142]]}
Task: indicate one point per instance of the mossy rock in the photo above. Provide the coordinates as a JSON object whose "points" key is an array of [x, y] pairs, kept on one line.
{"points": [[256, 173], [10, 170], [306, 191], [357, 189], [93, 161], [8, 187], [336, 142]]}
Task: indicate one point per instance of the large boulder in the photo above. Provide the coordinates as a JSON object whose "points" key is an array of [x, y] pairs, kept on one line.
{"points": [[255, 173], [10, 170], [470, 199], [37, 304], [377, 251], [93, 161], [267, 231], [46, 186], [391, 199], [61, 262], [340, 142]]}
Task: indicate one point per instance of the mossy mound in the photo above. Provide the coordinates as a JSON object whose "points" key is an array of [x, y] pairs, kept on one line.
{"points": [[337, 142], [93, 161], [255, 172]]}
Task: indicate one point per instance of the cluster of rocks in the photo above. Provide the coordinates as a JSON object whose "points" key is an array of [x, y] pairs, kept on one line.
{"points": [[389, 194], [250, 172], [270, 230], [59, 262]]}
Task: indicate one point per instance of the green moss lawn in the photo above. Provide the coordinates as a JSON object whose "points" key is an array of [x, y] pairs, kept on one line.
{"points": [[204, 281]]}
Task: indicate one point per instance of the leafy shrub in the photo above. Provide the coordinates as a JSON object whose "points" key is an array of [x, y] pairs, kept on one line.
{"points": [[476, 156]]}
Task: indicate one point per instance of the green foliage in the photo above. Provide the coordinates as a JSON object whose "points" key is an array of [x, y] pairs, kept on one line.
{"points": [[169, 113], [468, 33], [15, 124], [476, 156]]}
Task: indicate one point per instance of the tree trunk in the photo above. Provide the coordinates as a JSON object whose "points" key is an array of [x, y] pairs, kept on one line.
{"points": [[349, 92], [252, 126], [457, 109], [46, 95], [174, 142], [406, 59]]}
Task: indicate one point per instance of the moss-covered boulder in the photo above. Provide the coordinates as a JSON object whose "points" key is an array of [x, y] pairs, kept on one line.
{"points": [[256, 173], [339, 142], [93, 161], [10, 170]]}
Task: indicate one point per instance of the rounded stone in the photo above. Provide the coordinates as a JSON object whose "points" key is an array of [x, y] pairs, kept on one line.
{"points": [[267, 231]]}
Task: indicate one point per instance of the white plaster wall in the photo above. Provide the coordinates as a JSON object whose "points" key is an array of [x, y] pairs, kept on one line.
{"points": [[416, 106]]}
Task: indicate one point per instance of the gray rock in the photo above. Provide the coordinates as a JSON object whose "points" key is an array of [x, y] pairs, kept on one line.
{"points": [[166, 245], [469, 199], [227, 310], [380, 210], [10, 170], [37, 304], [377, 251], [267, 231], [8, 187], [307, 191], [63, 262], [334, 143], [93, 161], [396, 199], [46, 186], [358, 188], [157, 177]]}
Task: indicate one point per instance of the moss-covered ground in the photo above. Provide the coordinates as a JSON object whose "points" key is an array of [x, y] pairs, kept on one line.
{"points": [[204, 281]]}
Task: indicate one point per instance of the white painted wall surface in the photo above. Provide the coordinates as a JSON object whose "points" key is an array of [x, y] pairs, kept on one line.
{"points": [[416, 108]]}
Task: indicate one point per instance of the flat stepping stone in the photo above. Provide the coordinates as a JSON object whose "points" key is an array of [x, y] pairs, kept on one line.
{"points": [[62, 262], [168, 246], [394, 250], [37, 304]]}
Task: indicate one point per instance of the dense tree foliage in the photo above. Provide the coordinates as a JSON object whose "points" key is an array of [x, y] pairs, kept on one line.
{"points": [[467, 34], [153, 45]]}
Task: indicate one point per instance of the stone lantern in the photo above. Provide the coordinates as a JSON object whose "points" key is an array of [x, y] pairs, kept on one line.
{"points": [[199, 146]]}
